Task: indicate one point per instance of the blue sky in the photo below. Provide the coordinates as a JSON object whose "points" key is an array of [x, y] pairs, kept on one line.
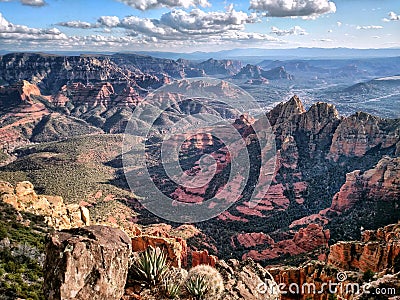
{"points": [[190, 25]]}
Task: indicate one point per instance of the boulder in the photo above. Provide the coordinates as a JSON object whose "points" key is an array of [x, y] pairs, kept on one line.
{"points": [[247, 280], [86, 263], [53, 208]]}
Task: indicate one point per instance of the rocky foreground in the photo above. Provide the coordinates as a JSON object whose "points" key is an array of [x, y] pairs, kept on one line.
{"points": [[92, 262]]}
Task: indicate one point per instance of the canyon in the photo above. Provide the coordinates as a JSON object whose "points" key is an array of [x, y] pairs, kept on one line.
{"points": [[331, 202]]}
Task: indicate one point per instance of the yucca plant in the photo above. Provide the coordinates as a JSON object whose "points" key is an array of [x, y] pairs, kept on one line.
{"points": [[197, 287], [173, 281], [150, 266], [171, 289]]}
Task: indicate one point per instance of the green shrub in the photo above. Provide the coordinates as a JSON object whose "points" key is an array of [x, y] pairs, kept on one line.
{"points": [[368, 275], [150, 266]]}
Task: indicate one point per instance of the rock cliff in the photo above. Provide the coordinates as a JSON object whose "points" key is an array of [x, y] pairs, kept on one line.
{"points": [[377, 251], [87, 263]]}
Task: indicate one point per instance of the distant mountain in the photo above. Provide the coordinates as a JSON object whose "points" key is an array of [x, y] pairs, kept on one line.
{"points": [[256, 72], [384, 83], [223, 67], [254, 53], [305, 53], [365, 68]]}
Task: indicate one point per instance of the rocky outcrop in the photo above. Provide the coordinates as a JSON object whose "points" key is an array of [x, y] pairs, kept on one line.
{"points": [[175, 248], [87, 263], [250, 72], [19, 93], [253, 239], [255, 72], [378, 184], [305, 240], [247, 280], [277, 74], [58, 215], [362, 132], [203, 258], [284, 111], [220, 67], [98, 95], [298, 282], [381, 183], [377, 251]]}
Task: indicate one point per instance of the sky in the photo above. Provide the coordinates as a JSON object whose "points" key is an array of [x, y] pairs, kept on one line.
{"points": [[196, 25]]}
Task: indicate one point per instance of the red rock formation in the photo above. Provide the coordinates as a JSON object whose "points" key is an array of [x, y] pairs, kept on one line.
{"points": [[96, 95], [285, 110], [19, 93], [298, 282], [361, 132], [175, 248], [381, 183], [305, 240], [203, 258], [253, 239], [378, 250]]}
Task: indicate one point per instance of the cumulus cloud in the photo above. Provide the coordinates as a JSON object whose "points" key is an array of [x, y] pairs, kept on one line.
{"points": [[200, 22], [392, 17], [36, 3], [176, 24], [151, 4], [296, 30], [369, 27], [293, 8], [176, 28], [108, 21], [9, 31], [76, 24]]}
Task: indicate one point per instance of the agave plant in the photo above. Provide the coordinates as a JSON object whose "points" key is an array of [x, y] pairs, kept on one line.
{"points": [[171, 289], [197, 287], [150, 266], [173, 281]]}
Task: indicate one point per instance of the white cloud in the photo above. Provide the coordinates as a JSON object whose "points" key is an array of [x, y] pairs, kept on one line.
{"points": [[36, 3], [369, 27], [291, 8], [76, 24], [33, 2], [143, 25], [200, 22], [9, 31], [339, 24], [109, 21], [177, 24], [296, 30], [150, 4], [175, 29], [393, 16]]}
